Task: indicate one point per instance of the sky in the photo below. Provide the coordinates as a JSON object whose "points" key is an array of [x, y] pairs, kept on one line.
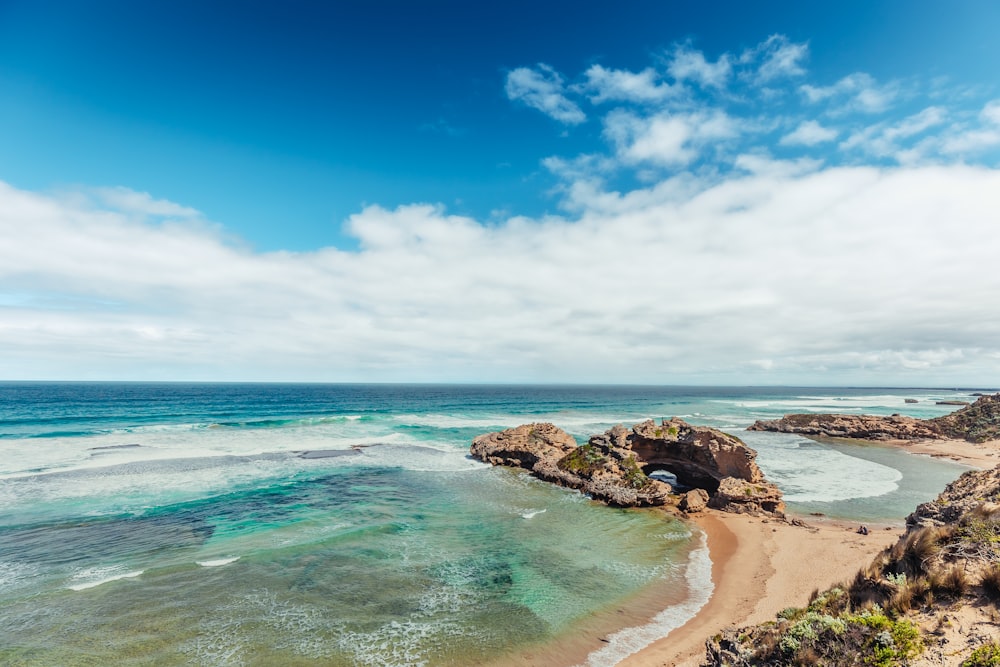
{"points": [[651, 193]]}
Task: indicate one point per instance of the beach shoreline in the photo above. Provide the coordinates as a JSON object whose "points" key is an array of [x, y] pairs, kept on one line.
{"points": [[748, 552]]}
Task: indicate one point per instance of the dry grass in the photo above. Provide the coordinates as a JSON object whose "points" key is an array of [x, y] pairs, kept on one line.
{"points": [[950, 582], [990, 581]]}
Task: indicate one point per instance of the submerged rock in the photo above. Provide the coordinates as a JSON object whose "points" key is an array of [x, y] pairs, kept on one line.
{"points": [[613, 466]]}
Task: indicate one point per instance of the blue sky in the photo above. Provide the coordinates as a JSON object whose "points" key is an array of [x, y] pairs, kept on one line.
{"points": [[394, 191]]}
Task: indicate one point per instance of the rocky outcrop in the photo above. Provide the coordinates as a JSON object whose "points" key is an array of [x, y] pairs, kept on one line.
{"points": [[600, 468], [958, 498], [859, 427], [698, 455], [978, 422], [614, 466], [742, 497]]}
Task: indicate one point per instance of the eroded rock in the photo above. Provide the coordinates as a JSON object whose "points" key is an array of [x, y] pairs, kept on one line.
{"points": [[613, 466], [693, 501], [978, 422], [600, 468]]}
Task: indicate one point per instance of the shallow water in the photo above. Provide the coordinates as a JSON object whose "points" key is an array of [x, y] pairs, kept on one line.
{"points": [[234, 525]]}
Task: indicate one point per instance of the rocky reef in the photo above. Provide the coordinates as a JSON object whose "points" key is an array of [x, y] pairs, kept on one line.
{"points": [[933, 598], [979, 422], [614, 466]]}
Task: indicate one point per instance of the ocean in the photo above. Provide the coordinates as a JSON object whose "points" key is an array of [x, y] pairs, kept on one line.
{"points": [[326, 524]]}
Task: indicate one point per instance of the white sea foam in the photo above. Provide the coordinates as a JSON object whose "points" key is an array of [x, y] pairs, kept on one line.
{"points": [[624, 643], [218, 562], [807, 471], [531, 514], [14, 574], [95, 576], [420, 458], [398, 644]]}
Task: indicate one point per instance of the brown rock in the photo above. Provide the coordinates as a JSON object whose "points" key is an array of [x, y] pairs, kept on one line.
{"points": [[599, 468], [523, 446], [613, 466], [860, 427], [694, 500], [978, 422], [743, 497], [698, 455]]}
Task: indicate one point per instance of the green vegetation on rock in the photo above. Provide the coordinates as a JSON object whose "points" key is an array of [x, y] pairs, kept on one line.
{"points": [[584, 460]]}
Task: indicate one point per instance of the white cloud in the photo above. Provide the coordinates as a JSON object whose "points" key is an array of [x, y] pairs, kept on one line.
{"points": [[808, 133], [542, 88], [666, 139], [859, 91], [687, 64], [850, 269], [886, 139], [142, 203], [991, 112], [776, 57], [917, 123], [623, 85]]}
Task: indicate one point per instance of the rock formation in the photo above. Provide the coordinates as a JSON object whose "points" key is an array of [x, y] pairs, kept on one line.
{"points": [[958, 498], [614, 466], [858, 427], [978, 422]]}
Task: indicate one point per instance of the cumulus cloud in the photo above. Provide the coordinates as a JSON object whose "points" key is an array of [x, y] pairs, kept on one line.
{"points": [[623, 85], [680, 280], [543, 88], [687, 64], [667, 139], [808, 133]]}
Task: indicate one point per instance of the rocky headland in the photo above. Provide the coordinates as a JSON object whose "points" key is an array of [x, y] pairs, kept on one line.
{"points": [[932, 598], [711, 467], [977, 423]]}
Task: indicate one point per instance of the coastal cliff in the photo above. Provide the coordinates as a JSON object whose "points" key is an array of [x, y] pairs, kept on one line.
{"points": [[933, 598], [977, 423], [614, 466]]}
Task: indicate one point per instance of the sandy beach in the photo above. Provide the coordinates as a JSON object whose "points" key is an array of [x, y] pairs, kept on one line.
{"points": [[748, 553]]}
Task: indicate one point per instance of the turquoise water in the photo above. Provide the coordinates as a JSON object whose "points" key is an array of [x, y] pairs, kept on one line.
{"points": [[146, 524]]}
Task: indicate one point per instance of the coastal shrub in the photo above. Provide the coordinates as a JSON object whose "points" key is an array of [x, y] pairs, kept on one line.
{"points": [[584, 460], [978, 534], [987, 655], [812, 638], [633, 474], [990, 581]]}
